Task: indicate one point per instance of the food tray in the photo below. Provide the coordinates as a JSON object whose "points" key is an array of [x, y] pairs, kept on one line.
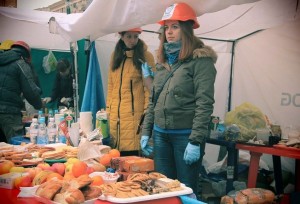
{"points": [[185, 191]]}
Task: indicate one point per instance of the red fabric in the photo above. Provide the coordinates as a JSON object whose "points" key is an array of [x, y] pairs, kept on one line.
{"points": [[8, 196]]}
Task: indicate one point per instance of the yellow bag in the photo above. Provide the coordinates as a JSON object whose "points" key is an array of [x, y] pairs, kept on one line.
{"points": [[248, 118]]}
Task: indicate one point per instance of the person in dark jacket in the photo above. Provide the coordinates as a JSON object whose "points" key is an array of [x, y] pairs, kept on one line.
{"points": [[17, 81], [63, 86]]}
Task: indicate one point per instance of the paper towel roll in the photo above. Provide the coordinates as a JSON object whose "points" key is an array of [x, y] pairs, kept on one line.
{"points": [[86, 122]]}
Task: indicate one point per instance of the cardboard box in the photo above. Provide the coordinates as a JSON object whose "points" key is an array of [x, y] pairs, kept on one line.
{"points": [[138, 165], [7, 180], [118, 162]]}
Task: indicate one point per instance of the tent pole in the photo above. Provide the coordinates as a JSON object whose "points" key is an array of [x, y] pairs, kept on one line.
{"points": [[75, 80]]}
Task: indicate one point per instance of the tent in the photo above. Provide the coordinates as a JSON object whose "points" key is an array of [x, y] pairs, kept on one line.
{"points": [[257, 43]]}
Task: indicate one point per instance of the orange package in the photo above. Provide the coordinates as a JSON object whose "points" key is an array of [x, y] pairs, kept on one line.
{"points": [[118, 162]]}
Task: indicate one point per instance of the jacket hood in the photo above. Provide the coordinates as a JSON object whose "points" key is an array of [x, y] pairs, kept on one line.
{"points": [[8, 57], [205, 51]]}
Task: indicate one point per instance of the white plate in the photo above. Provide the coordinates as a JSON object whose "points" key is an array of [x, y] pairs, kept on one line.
{"points": [[185, 191]]}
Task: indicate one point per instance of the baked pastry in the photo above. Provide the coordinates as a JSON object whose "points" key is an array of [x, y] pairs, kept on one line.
{"points": [[78, 183], [156, 175], [71, 196], [49, 189], [57, 154], [91, 192]]}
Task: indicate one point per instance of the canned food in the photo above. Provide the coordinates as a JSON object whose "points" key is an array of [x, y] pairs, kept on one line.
{"points": [[214, 122], [102, 123]]}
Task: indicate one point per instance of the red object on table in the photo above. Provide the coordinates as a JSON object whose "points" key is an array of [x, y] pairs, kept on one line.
{"points": [[9, 196], [276, 152]]}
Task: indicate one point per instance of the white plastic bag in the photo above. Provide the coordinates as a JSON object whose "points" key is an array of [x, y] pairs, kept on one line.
{"points": [[49, 62]]}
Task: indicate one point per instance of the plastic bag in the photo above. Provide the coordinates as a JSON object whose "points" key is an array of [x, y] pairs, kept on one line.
{"points": [[248, 118], [49, 62]]}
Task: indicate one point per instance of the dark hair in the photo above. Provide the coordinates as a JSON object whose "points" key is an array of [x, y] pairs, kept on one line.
{"points": [[63, 65], [119, 54], [189, 42]]}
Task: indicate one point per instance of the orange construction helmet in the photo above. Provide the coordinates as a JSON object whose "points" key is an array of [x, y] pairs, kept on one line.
{"points": [[24, 45], [180, 12], [139, 30], [21, 44]]}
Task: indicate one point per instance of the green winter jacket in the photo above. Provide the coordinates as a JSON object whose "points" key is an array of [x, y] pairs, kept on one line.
{"points": [[16, 80], [187, 98]]}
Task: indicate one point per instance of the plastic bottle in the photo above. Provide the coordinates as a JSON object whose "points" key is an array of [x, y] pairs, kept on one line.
{"points": [[42, 137], [52, 131], [61, 138], [50, 115], [40, 114], [33, 130]]}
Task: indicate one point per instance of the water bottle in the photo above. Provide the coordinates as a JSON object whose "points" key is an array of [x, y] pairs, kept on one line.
{"points": [[50, 115], [61, 138], [52, 131], [33, 130], [40, 114], [42, 137]]}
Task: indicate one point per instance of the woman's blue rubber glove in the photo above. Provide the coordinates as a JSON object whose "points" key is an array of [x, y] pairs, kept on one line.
{"points": [[191, 153], [146, 149], [146, 69]]}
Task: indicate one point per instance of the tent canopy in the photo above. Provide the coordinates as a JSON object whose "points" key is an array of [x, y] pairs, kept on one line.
{"points": [[99, 19]]}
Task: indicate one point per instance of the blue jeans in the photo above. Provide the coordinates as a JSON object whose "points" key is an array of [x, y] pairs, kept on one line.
{"points": [[168, 158]]}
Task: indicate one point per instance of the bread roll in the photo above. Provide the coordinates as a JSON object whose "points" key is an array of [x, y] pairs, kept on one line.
{"points": [[71, 196]]}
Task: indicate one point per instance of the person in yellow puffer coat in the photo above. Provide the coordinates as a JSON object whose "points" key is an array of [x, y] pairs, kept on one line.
{"points": [[127, 95]]}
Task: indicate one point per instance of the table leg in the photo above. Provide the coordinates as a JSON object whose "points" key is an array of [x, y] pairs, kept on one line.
{"points": [[297, 179], [277, 174], [232, 168], [253, 169]]}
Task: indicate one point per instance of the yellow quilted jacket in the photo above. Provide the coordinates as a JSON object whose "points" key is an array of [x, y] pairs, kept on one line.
{"points": [[127, 100]]}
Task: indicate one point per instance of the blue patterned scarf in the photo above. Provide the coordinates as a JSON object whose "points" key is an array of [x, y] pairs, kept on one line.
{"points": [[172, 50]]}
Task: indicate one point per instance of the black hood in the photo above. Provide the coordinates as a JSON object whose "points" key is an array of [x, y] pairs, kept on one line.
{"points": [[8, 57]]}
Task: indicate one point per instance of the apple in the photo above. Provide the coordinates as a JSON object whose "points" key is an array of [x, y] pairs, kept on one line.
{"points": [[23, 181], [59, 168], [89, 170], [33, 171], [43, 166], [69, 168], [6, 166]]}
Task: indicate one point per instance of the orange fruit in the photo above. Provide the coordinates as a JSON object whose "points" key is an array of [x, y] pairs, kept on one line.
{"points": [[68, 176], [105, 160], [54, 175], [114, 153], [97, 181], [79, 168]]}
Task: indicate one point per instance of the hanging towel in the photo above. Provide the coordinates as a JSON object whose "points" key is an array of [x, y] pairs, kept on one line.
{"points": [[93, 97]]}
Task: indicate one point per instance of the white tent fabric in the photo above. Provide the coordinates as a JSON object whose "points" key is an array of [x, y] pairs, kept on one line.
{"points": [[31, 27], [104, 17], [266, 73]]}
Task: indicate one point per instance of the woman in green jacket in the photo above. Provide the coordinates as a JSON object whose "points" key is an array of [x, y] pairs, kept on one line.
{"points": [[182, 99]]}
